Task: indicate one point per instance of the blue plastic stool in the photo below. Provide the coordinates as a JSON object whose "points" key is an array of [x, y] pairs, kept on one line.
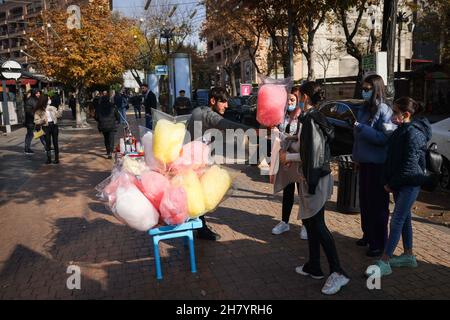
{"points": [[170, 232]]}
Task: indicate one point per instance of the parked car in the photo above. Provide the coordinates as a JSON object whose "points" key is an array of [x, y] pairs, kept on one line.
{"points": [[243, 110], [342, 115], [441, 136]]}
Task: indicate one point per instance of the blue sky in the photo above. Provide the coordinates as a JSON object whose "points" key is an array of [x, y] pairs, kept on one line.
{"points": [[133, 8]]}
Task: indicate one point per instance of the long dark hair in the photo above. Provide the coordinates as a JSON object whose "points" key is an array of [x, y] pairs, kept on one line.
{"points": [[406, 104], [105, 106], [41, 104], [313, 90], [296, 92], [378, 93]]}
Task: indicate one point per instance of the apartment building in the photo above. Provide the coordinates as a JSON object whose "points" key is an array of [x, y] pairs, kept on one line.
{"points": [[15, 17], [329, 39]]}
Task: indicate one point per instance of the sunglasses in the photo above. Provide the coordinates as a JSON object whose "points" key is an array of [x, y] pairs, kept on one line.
{"points": [[366, 89]]}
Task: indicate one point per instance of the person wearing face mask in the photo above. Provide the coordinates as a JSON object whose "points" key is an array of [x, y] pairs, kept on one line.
{"points": [[206, 118], [371, 133], [312, 157], [289, 128], [404, 174]]}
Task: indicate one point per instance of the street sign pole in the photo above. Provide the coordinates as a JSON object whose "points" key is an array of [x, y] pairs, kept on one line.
{"points": [[10, 70], [6, 121]]}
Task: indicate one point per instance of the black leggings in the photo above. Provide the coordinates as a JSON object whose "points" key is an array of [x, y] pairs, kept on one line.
{"points": [[288, 201], [51, 134], [109, 140], [318, 234]]}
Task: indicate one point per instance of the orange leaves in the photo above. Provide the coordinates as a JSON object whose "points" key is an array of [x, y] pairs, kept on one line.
{"points": [[98, 53]]}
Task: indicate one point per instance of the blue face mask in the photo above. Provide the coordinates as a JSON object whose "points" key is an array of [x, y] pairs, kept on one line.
{"points": [[366, 95], [301, 105], [291, 108]]}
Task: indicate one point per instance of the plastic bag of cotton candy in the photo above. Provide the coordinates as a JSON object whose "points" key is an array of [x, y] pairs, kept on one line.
{"points": [[272, 100]]}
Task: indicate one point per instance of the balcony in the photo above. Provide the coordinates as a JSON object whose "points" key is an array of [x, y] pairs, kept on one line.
{"points": [[17, 32], [16, 17]]}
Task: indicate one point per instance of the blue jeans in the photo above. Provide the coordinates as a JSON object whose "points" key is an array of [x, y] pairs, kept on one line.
{"points": [[148, 122], [401, 219], [123, 115]]}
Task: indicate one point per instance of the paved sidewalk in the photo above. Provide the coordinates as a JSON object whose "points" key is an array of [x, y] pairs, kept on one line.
{"points": [[50, 219]]}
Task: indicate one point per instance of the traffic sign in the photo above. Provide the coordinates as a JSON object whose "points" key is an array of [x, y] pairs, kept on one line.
{"points": [[246, 89], [369, 63], [161, 70], [11, 70]]}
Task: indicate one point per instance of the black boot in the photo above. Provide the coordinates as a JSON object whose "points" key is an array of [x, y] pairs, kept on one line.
{"points": [[56, 158], [49, 157], [206, 233]]}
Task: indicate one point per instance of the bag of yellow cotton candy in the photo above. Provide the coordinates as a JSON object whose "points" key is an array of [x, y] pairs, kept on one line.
{"points": [[168, 140]]}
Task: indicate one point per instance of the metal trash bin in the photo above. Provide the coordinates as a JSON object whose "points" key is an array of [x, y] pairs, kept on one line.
{"points": [[348, 188]]}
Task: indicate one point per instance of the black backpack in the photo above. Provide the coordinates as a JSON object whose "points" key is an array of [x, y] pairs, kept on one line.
{"points": [[433, 171]]}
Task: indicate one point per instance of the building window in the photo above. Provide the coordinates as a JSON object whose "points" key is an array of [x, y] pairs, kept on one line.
{"points": [[218, 57], [16, 12], [211, 45]]}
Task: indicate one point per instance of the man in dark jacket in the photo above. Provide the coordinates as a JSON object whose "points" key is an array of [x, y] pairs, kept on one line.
{"points": [[73, 105], [56, 100], [211, 117], [182, 104], [30, 105], [107, 117], [121, 102], [149, 104]]}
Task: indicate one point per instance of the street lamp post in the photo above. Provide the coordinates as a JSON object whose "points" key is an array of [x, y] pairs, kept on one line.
{"points": [[402, 18], [291, 41], [388, 42]]}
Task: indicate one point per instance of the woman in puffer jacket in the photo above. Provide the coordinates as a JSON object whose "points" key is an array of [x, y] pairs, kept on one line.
{"points": [[47, 116], [404, 174]]}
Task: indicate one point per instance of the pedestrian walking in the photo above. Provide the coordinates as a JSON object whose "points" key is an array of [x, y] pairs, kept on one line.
{"points": [[404, 174], [107, 117], [371, 133], [73, 105], [313, 158], [121, 102], [149, 101], [47, 116], [136, 102], [30, 105]]}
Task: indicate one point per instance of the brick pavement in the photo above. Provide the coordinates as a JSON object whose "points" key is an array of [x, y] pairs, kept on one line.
{"points": [[50, 219]]}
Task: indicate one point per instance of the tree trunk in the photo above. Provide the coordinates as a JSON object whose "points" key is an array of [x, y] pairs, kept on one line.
{"points": [[358, 86], [286, 67], [312, 58], [233, 83], [136, 77]]}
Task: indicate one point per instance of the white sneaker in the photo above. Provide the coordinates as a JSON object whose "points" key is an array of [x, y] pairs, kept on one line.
{"points": [[280, 228], [334, 283], [303, 233], [300, 270]]}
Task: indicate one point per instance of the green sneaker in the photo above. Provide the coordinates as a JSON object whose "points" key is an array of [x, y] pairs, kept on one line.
{"points": [[385, 268], [404, 260]]}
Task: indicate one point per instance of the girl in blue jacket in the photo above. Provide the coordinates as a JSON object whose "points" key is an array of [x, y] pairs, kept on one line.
{"points": [[404, 174], [371, 134]]}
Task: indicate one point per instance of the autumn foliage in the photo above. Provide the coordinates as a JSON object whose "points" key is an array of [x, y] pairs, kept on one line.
{"points": [[97, 53]]}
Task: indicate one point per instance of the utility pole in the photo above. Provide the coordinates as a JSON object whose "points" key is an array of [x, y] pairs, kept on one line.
{"points": [[388, 42], [291, 40]]}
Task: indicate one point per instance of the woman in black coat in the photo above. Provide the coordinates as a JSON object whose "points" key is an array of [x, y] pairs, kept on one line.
{"points": [[107, 117]]}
